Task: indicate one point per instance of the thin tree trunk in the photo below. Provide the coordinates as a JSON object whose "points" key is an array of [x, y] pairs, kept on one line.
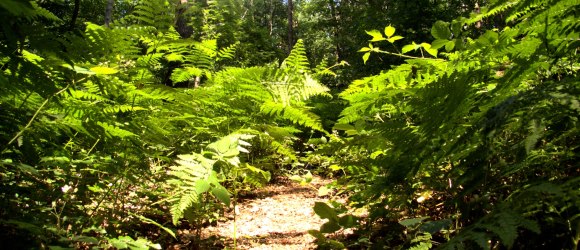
{"points": [[109, 12], [181, 24], [271, 19], [290, 25], [75, 14], [335, 29]]}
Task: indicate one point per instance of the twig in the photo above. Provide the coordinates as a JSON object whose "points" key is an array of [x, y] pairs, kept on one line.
{"points": [[34, 116]]}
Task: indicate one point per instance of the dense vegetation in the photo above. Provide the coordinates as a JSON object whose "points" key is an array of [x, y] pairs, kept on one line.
{"points": [[124, 120]]}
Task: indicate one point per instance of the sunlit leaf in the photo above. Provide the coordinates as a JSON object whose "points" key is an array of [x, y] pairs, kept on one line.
{"points": [[440, 30], [395, 38], [408, 48], [330, 227], [221, 194], [449, 46], [439, 43], [325, 211], [377, 36], [389, 31], [366, 57], [432, 52], [104, 70]]}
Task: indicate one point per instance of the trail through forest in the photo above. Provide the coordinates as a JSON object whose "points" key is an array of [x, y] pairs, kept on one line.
{"points": [[276, 216]]}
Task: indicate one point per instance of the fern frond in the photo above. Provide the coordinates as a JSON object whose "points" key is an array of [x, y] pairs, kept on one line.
{"points": [[504, 6], [297, 115], [121, 109], [192, 178], [227, 52], [115, 131], [255, 176], [185, 74], [297, 61]]}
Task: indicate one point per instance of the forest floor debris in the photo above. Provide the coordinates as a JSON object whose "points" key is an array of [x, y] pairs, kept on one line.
{"points": [[276, 216]]}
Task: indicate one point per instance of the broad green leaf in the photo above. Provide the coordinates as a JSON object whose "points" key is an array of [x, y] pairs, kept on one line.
{"points": [[377, 36], [317, 234], [432, 52], [79, 70], [389, 31], [408, 48], [439, 43], [440, 30], [99, 70], [336, 244], [456, 28], [413, 221], [221, 194], [330, 227], [201, 186], [450, 45], [347, 221], [435, 226], [119, 244], [325, 211], [395, 38], [366, 57], [426, 45]]}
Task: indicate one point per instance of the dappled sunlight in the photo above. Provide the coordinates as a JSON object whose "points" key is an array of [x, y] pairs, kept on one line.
{"points": [[278, 217]]}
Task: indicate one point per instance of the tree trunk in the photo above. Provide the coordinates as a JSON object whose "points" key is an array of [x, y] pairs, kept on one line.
{"points": [[109, 12], [75, 14], [181, 24], [271, 19], [290, 25], [335, 29]]}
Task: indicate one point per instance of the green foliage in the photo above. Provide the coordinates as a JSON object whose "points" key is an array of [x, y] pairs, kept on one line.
{"points": [[471, 131], [90, 130]]}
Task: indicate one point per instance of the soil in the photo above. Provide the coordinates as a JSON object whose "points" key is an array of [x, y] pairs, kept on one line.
{"points": [[276, 216]]}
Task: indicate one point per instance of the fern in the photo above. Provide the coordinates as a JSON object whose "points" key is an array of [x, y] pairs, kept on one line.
{"points": [[152, 13], [297, 62], [484, 112], [296, 115]]}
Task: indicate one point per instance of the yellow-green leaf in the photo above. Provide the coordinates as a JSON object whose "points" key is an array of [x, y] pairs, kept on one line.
{"points": [[439, 43], [173, 57], [395, 38], [377, 36], [408, 48], [365, 49], [366, 57], [389, 31], [99, 70], [221, 194], [432, 52], [450, 45]]}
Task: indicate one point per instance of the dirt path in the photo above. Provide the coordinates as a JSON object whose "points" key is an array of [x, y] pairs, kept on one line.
{"points": [[277, 216]]}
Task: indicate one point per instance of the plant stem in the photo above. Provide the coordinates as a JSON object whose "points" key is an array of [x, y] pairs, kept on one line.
{"points": [[410, 57], [34, 116]]}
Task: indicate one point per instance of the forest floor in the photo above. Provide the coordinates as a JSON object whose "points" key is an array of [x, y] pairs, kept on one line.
{"points": [[276, 216]]}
